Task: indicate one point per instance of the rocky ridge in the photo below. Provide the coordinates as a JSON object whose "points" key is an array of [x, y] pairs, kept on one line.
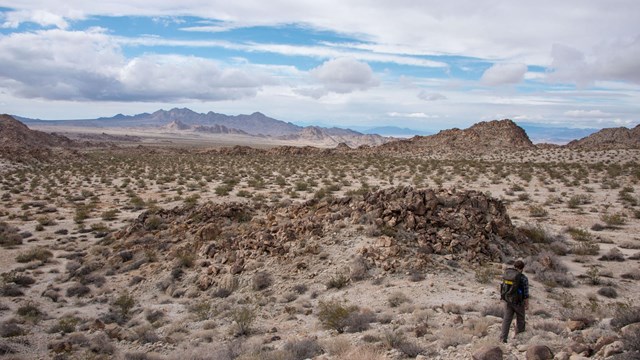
{"points": [[479, 138], [611, 138], [17, 141]]}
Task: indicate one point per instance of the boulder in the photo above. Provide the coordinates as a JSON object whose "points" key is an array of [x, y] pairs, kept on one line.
{"points": [[488, 352], [538, 352], [616, 347]]}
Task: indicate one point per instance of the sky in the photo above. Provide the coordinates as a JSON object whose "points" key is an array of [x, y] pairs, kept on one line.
{"points": [[425, 65]]}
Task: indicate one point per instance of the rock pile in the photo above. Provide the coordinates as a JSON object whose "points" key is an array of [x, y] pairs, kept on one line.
{"points": [[409, 227]]}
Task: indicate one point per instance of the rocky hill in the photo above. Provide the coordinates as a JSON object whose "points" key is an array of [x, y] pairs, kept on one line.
{"points": [[335, 136], [18, 141], [479, 138], [610, 138]]}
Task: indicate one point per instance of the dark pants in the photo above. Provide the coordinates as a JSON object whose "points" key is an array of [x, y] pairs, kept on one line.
{"points": [[509, 311]]}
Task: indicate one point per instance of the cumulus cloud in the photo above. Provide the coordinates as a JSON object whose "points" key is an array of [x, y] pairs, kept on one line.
{"points": [[340, 75], [502, 74], [345, 75], [427, 96], [69, 65]]}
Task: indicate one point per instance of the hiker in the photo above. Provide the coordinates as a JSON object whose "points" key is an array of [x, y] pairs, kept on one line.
{"points": [[514, 291]]}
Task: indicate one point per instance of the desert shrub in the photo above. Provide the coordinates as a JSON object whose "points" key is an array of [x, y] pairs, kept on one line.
{"points": [[303, 349], [37, 253], [300, 288], [613, 220], [612, 255], [548, 269], [338, 281], [624, 315], [77, 289], [201, 310], [397, 340], [110, 215], [100, 344], [243, 318], [18, 279], [484, 274], [537, 211], [30, 312], [416, 276], [397, 298], [538, 234], [153, 222], [333, 315], [65, 325], [577, 200], [578, 234], [633, 275], [10, 329], [359, 321], [559, 248], [123, 304], [598, 227], [11, 290], [261, 280], [9, 235], [358, 269], [593, 275], [586, 248], [153, 315], [608, 291]]}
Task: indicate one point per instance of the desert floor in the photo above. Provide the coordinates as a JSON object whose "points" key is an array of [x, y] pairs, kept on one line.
{"points": [[65, 296]]}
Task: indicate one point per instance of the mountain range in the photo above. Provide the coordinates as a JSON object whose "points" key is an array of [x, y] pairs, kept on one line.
{"points": [[481, 137], [256, 124]]}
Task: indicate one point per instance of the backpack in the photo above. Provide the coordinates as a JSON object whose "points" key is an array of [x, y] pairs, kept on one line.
{"points": [[510, 288]]}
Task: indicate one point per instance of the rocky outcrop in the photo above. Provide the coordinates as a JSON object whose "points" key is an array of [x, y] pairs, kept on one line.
{"points": [[411, 229], [480, 138], [611, 138]]}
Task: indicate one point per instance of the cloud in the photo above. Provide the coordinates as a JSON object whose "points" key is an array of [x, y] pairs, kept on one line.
{"points": [[72, 65], [13, 19], [342, 76], [615, 60], [416, 115], [502, 74], [592, 114], [426, 96]]}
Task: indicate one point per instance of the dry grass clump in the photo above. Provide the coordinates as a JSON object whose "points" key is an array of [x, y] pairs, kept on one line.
{"points": [[612, 255], [397, 340], [9, 236], [397, 298], [452, 337]]}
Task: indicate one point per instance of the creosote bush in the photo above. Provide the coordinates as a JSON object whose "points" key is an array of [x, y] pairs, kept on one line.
{"points": [[243, 318], [333, 315], [36, 253], [261, 280]]}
